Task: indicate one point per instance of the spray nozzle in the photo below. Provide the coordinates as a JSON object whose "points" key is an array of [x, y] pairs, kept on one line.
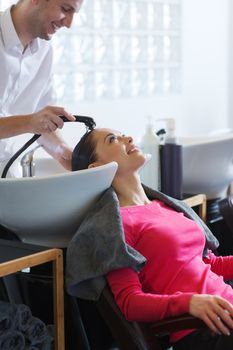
{"points": [[88, 121], [170, 128], [160, 132]]}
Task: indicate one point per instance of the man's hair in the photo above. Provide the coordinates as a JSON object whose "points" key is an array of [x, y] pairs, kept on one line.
{"points": [[84, 152]]}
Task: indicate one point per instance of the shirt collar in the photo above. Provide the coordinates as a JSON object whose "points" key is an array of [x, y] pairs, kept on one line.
{"points": [[10, 36]]}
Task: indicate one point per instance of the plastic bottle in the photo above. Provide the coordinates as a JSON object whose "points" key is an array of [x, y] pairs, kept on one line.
{"points": [[171, 162], [150, 172]]}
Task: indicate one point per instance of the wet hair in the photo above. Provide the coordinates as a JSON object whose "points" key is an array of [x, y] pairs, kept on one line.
{"points": [[84, 152]]}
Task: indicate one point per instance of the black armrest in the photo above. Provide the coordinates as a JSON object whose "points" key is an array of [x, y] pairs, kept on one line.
{"points": [[169, 325], [141, 335]]}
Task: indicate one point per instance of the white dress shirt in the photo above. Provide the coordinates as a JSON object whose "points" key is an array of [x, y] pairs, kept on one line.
{"points": [[25, 77]]}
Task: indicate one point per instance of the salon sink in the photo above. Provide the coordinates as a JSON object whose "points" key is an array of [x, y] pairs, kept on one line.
{"points": [[48, 166], [47, 209], [208, 164]]}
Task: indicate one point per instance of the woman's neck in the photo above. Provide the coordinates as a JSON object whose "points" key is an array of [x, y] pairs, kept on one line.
{"points": [[130, 191]]}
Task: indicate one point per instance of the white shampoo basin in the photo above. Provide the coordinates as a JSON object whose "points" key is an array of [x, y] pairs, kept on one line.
{"points": [[47, 209], [208, 164]]}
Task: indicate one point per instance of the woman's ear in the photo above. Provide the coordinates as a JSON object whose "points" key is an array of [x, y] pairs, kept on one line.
{"points": [[94, 165]]}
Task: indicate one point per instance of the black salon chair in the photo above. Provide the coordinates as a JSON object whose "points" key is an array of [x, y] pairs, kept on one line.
{"points": [[137, 335]]}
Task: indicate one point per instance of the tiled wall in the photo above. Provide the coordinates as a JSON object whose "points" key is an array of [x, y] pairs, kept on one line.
{"points": [[120, 49]]}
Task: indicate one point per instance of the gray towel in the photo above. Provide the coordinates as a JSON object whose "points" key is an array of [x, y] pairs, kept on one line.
{"points": [[48, 343], [36, 332], [14, 316], [99, 246], [22, 317], [12, 340], [6, 316], [20, 330], [45, 345]]}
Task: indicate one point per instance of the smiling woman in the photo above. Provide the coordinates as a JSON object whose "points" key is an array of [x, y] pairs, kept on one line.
{"points": [[175, 242], [102, 146]]}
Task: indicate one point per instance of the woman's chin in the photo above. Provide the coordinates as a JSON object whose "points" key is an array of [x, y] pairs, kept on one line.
{"points": [[145, 159]]}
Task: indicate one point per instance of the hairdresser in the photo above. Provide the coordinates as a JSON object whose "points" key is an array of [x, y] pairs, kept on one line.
{"points": [[27, 103]]}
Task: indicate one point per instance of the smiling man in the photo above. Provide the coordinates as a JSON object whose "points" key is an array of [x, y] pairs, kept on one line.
{"points": [[27, 103]]}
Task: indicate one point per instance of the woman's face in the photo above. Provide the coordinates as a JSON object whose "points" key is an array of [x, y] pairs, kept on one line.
{"points": [[111, 145]]}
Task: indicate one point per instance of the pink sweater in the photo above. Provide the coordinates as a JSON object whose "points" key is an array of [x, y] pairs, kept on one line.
{"points": [[175, 269]]}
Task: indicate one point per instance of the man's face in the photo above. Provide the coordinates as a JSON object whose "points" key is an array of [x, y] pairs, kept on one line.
{"points": [[50, 15]]}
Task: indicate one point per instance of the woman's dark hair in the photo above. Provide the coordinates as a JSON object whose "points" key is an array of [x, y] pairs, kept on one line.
{"points": [[84, 152]]}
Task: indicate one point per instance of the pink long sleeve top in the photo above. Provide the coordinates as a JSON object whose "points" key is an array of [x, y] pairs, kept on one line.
{"points": [[175, 268]]}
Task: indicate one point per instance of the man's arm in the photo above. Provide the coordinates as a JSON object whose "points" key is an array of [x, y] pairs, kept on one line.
{"points": [[45, 121], [57, 148]]}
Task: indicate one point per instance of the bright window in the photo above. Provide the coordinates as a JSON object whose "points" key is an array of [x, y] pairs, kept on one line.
{"points": [[119, 49]]}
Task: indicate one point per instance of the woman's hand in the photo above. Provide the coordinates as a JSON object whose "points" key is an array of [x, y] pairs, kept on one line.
{"points": [[216, 312]]}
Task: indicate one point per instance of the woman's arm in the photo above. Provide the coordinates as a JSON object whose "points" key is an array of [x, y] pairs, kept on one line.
{"points": [[221, 265], [146, 307], [136, 305]]}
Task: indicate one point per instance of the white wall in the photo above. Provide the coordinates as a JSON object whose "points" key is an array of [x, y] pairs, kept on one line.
{"points": [[205, 40], [202, 106]]}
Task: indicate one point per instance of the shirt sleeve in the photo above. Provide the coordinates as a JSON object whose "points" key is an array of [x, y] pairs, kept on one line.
{"points": [[221, 265], [145, 307]]}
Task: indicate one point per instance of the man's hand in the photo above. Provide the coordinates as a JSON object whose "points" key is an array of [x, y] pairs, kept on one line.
{"points": [[216, 312], [47, 120]]}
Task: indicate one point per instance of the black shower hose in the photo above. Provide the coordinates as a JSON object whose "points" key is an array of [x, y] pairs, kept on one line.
{"points": [[88, 121]]}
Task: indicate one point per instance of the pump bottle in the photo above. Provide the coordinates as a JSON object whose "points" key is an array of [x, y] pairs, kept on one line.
{"points": [[171, 162], [150, 172]]}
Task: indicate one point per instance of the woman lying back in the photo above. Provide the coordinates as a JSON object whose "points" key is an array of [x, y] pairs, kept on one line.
{"points": [[176, 278]]}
